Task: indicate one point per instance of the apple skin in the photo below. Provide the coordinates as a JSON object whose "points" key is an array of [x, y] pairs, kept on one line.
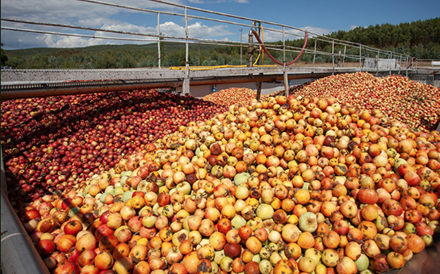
{"points": [[403, 169], [245, 232], [31, 214], [104, 217], [224, 225], [348, 209], [367, 196], [341, 227], [392, 207], [261, 234], [412, 178], [308, 222], [86, 257], [423, 229], [73, 227], [102, 230], [413, 216]]}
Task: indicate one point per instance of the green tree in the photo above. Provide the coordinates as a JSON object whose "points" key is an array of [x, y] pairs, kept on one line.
{"points": [[4, 57]]}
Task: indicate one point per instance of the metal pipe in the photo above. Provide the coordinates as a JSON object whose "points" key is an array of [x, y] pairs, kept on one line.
{"points": [[211, 19], [164, 12], [212, 12], [195, 40], [18, 252], [158, 39], [273, 58], [74, 34]]}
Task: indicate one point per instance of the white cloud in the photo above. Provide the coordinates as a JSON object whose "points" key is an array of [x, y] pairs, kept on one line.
{"points": [[318, 30], [216, 1], [75, 12], [195, 30], [66, 41], [70, 11], [353, 27], [271, 36]]}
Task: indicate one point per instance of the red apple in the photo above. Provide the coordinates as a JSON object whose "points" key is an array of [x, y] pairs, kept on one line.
{"points": [[45, 248], [72, 227]]}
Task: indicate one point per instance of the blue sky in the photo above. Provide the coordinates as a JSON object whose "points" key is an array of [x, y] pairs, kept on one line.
{"points": [[317, 16]]}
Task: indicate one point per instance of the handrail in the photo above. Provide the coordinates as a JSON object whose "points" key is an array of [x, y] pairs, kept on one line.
{"points": [[410, 63], [275, 28], [323, 38], [316, 36]]}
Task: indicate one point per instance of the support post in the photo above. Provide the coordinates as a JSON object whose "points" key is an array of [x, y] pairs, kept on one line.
{"points": [[185, 86], [286, 80], [259, 84], [314, 54], [360, 57], [391, 58], [333, 56], [343, 58], [250, 50], [260, 49], [284, 46], [406, 66], [377, 62], [241, 47], [158, 39]]}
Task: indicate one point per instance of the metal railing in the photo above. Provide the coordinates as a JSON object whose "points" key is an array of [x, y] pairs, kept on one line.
{"points": [[433, 64], [347, 53]]}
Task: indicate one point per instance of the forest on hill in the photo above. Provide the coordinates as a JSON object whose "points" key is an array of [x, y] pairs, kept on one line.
{"points": [[420, 39]]}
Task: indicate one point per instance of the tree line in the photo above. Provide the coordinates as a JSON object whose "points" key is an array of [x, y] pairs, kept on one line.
{"points": [[420, 39]]}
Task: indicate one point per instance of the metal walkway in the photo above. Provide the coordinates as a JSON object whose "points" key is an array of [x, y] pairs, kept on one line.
{"points": [[35, 83]]}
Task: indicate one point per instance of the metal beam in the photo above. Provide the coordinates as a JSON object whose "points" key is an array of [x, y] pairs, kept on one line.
{"points": [[59, 75], [30, 90]]}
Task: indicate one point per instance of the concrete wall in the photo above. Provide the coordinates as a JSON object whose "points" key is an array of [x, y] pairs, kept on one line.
{"points": [[427, 79], [266, 88], [435, 83]]}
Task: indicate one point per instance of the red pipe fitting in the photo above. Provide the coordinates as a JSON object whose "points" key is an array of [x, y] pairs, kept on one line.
{"points": [[273, 58]]}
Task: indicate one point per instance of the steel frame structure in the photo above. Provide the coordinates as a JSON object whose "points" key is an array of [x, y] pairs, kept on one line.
{"points": [[188, 74]]}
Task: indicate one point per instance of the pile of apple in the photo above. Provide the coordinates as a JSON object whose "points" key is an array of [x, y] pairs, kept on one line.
{"points": [[233, 96], [287, 185], [397, 97], [55, 143]]}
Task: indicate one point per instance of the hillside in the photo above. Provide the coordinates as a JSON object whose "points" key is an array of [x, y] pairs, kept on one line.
{"points": [[420, 39]]}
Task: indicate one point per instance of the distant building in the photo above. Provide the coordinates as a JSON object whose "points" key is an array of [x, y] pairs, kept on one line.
{"points": [[378, 63]]}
